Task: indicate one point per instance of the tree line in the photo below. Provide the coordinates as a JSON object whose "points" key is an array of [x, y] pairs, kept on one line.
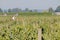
{"points": [[17, 10], [28, 10]]}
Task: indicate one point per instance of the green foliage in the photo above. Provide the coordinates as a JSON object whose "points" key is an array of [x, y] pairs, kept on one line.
{"points": [[26, 27], [57, 9], [34, 13], [1, 13]]}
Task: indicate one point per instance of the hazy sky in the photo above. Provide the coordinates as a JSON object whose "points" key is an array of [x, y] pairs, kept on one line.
{"points": [[32, 4]]}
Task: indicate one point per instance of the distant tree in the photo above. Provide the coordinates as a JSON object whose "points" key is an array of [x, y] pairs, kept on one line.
{"points": [[57, 9], [30, 10], [9, 10], [20, 10], [51, 10], [5, 11], [16, 10], [1, 10], [26, 9], [35, 10]]}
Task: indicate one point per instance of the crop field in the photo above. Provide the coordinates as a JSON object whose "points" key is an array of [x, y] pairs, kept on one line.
{"points": [[26, 27]]}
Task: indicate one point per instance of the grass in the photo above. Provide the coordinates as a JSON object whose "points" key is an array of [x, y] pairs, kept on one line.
{"points": [[25, 27]]}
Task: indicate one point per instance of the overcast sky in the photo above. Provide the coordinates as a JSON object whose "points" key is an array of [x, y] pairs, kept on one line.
{"points": [[31, 4]]}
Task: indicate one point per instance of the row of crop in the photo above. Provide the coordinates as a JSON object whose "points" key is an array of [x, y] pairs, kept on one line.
{"points": [[26, 28]]}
